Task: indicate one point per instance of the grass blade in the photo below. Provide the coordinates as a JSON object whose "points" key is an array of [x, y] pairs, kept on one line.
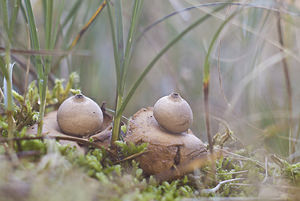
{"points": [[14, 17], [5, 16], [87, 25], [48, 22], [115, 46], [149, 27], [69, 17], [119, 36], [38, 61], [175, 13], [56, 29], [160, 54], [72, 12], [7, 71], [119, 98], [2, 68], [23, 11], [34, 37], [206, 78], [48, 6], [137, 7], [82, 31], [124, 61]]}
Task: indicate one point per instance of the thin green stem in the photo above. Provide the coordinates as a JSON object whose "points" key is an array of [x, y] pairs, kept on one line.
{"points": [[72, 13], [34, 38], [3, 68], [48, 22], [123, 60], [117, 123], [8, 79], [5, 15], [10, 107], [160, 54], [206, 68], [116, 56], [48, 59], [57, 24], [38, 61], [206, 79], [48, 32], [137, 7], [14, 17], [119, 32], [8, 74], [119, 94], [43, 90], [72, 17]]}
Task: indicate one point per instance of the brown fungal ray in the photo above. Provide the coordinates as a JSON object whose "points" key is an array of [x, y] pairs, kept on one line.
{"points": [[107, 118], [165, 150], [103, 138], [51, 128]]}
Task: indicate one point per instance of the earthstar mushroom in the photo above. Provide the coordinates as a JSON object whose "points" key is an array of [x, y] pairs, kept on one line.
{"points": [[173, 113], [165, 150], [79, 116]]}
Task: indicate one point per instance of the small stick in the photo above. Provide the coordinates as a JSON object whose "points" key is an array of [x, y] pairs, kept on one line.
{"points": [[131, 157], [231, 173], [240, 157], [266, 170], [215, 189]]}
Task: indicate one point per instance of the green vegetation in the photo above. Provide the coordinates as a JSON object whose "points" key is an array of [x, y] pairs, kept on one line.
{"points": [[250, 111], [122, 178], [49, 163]]}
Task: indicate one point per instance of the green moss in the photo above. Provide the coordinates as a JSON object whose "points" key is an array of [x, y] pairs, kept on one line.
{"points": [[126, 181], [96, 175], [129, 148]]}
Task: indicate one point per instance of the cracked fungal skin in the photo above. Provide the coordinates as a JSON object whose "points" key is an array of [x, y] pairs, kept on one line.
{"points": [[165, 150], [79, 116]]}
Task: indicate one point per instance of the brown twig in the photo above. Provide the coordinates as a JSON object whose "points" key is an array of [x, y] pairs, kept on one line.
{"points": [[37, 52], [130, 157], [206, 108], [217, 187]]}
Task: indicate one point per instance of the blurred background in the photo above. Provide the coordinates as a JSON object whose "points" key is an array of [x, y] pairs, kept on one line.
{"points": [[248, 88]]}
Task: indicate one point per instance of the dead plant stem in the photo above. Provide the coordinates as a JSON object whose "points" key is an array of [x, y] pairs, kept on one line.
{"points": [[287, 83]]}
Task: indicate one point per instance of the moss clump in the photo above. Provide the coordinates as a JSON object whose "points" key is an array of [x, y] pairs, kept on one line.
{"points": [[96, 175]]}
